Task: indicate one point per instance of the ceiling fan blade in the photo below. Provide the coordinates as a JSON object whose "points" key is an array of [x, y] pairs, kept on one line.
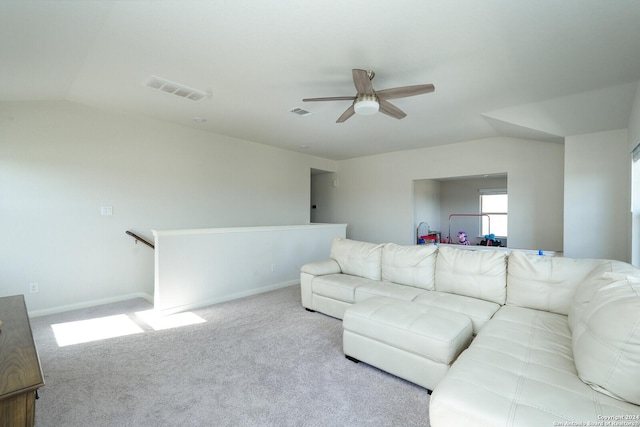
{"points": [[391, 110], [403, 92], [330, 98], [363, 82], [348, 113]]}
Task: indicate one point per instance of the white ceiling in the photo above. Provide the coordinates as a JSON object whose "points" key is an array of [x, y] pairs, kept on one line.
{"points": [[539, 69]]}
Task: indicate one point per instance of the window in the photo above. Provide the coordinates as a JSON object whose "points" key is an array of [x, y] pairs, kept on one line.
{"points": [[494, 203]]}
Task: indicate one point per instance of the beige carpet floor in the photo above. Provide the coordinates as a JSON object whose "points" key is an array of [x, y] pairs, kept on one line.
{"points": [[257, 361]]}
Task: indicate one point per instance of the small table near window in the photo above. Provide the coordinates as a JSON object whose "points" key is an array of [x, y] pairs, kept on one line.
{"points": [[20, 372]]}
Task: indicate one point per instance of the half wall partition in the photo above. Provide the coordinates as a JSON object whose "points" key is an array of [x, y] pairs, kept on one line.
{"points": [[199, 267]]}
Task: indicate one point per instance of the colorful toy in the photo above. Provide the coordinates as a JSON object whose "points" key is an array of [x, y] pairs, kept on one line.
{"points": [[462, 238], [490, 240]]}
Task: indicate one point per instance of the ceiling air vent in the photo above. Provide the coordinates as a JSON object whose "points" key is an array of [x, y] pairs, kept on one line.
{"points": [[300, 111], [167, 86]]}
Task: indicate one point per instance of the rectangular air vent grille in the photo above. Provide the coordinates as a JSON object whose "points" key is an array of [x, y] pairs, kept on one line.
{"points": [[167, 86], [300, 111]]}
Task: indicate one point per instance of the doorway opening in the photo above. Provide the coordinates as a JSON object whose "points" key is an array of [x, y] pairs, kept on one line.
{"points": [[323, 184], [435, 200]]}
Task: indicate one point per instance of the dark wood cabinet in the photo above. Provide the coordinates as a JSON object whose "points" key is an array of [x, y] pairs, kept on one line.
{"points": [[20, 370]]}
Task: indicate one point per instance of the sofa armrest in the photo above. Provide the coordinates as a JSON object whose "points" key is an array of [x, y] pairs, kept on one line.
{"points": [[311, 270], [320, 268]]}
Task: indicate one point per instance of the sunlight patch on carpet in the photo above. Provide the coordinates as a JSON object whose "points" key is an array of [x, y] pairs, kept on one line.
{"points": [[158, 321], [83, 331]]}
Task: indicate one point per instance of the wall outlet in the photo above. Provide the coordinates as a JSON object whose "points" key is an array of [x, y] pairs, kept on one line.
{"points": [[33, 287], [106, 210], [273, 268]]}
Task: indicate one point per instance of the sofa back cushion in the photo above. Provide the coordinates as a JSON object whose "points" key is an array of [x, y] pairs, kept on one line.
{"points": [[606, 341], [546, 283], [357, 258], [409, 265], [609, 271], [479, 274]]}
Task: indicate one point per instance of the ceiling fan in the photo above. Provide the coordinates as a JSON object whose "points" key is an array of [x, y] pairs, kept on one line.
{"points": [[368, 101]]}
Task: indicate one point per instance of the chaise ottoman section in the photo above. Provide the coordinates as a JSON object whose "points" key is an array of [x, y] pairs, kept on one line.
{"points": [[409, 340]]}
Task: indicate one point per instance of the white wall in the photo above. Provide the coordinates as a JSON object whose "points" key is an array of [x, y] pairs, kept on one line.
{"points": [[375, 196], [197, 268], [426, 205], [634, 140], [597, 196], [634, 121], [634, 241], [60, 162]]}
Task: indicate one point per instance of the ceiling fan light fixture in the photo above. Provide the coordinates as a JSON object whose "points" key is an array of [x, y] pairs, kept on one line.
{"points": [[366, 105], [367, 101]]}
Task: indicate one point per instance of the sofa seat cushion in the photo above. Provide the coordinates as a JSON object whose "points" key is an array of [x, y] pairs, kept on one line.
{"points": [[410, 265], [477, 274], [386, 289], [519, 371], [341, 287], [479, 311]]}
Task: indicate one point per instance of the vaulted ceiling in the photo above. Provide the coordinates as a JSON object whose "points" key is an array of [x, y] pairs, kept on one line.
{"points": [[541, 69]]}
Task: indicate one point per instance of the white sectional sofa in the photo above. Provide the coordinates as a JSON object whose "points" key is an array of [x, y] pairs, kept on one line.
{"points": [[553, 341]]}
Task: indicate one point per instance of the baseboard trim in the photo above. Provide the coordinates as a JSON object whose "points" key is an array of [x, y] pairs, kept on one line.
{"points": [[87, 304], [119, 298]]}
